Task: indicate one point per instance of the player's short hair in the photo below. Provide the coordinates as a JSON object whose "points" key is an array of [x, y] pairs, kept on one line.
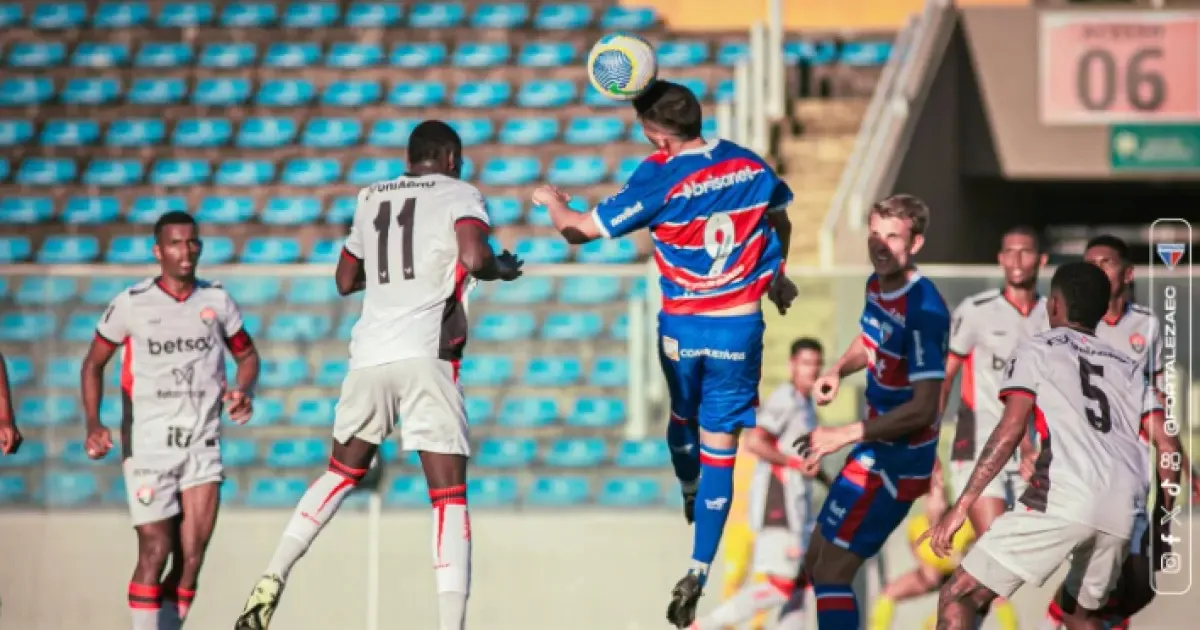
{"points": [[174, 217], [1025, 230], [671, 107], [432, 140], [1085, 289], [905, 207], [806, 343], [1115, 243]]}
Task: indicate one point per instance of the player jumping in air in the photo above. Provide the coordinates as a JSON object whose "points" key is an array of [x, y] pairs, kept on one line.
{"points": [[1087, 496], [175, 331], [905, 325], [717, 215], [414, 246], [10, 436]]}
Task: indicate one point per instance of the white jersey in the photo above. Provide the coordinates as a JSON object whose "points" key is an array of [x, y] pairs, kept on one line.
{"points": [[415, 297], [778, 494], [1090, 399], [173, 367], [984, 331], [1138, 334]]}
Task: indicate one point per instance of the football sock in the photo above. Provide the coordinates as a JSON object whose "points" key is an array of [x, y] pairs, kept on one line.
{"points": [[316, 507], [683, 442], [837, 607], [882, 614], [145, 601], [712, 505], [1005, 614], [183, 601], [747, 602], [451, 554]]}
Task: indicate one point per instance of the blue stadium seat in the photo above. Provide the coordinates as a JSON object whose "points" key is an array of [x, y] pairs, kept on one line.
{"points": [[732, 53], [505, 453], [541, 250], [697, 86], [80, 327], [417, 94], [143, 91], [91, 210], [594, 98], [314, 412], [266, 132], [135, 132], [503, 327], [270, 250], [163, 55], [372, 14], [609, 371], [11, 14], [479, 409], [341, 209], [547, 54], [69, 133], [90, 91], [238, 452], [31, 454], [28, 327], [643, 454], [436, 15], [346, 326], [331, 372], [597, 413], [630, 492], [625, 169], [253, 291], [325, 251], [63, 249], [47, 411], [291, 210], [480, 370], [46, 171], [221, 92], [491, 491], [418, 55], [572, 326], [111, 408], [576, 453], [121, 14], [482, 94], [366, 171], [244, 173], [185, 14], [607, 251], [113, 173], [590, 290], [529, 131], [311, 172], [530, 290], [546, 93], [33, 55], [473, 131], [507, 15], [576, 170], [866, 54], [225, 210], [100, 291], [558, 491], [502, 210], [815, 53], [25, 210], [569, 17], [594, 130], [331, 133], [186, 172], [285, 93], [552, 371], [146, 210], [44, 291], [282, 373], [253, 324], [20, 370], [203, 133], [409, 491], [392, 132], [299, 327], [621, 18], [268, 410], [68, 489], [4, 169], [228, 55], [481, 55], [353, 55], [510, 171], [276, 491], [310, 15], [312, 291], [249, 15], [99, 55], [73, 454], [130, 250], [21, 91], [13, 489], [682, 53]]}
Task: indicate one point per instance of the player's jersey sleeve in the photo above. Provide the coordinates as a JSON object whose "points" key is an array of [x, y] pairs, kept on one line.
{"points": [[237, 339], [354, 243], [1023, 373], [467, 204], [928, 329], [1154, 367], [772, 417], [114, 323], [962, 330], [635, 205], [781, 197]]}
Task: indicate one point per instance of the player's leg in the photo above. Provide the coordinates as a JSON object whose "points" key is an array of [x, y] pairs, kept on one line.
{"points": [[1096, 564], [153, 507], [962, 601], [683, 390], [777, 555], [998, 498], [200, 502], [168, 618]]}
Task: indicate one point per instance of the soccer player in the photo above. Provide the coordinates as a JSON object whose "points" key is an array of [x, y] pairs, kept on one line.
{"points": [[716, 214], [905, 325], [780, 497], [10, 436], [414, 246], [175, 331], [1089, 401]]}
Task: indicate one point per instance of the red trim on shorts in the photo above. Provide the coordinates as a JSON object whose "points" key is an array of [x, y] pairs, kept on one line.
{"points": [[858, 512]]}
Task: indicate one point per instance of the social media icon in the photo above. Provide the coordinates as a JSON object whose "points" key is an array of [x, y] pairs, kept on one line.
{"points": [[1171, 562]]}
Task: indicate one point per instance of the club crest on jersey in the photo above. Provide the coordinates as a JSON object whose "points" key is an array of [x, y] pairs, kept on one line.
{"points": [[670, 348], [144, 495], [1137, 342], [885, 332], [208, 316]]}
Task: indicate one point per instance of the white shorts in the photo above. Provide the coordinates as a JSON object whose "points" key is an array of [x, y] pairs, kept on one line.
{"points": [[1027, 547], [780, 550], [153, 481], [420, 394], [1006, 486]]}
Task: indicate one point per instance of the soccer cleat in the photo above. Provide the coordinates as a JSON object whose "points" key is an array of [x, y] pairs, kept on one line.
{"points": [[681, 612], [689, 506], [260, 606]]}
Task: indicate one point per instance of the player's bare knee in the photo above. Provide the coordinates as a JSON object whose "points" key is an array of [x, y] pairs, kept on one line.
{"points": [[443, 470], [154, 545], [829, 564], [352, 459]]}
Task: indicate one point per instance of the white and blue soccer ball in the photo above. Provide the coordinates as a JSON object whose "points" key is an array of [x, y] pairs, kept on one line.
{"points": [[621, 66]]}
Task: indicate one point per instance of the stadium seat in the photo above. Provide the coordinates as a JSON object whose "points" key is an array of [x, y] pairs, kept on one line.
{"points": [[409, 491], [163, 55], [594, 130], [46, 171], [609, 371], [249, 15], [238, 452], [13, 489], [325, 251], [510, 171], [73, 454], [503, 327], [311, 172], [185, 14], [276, 491], [418, 55], [619, 331], [47, 411], [253, 291], [546, 93], [225, 210], [310, 15], [113, 173], [576, 170], [218, 250], [291, 210], [541, 250], [417, 94], [171, 172], [44, 291], [221, 92], [20, 370], [505, 453], [698, 86], [866, 54], [91, 210], [312, 291], [99, 55], [80, 327], [594, 98], [67, 489], [372, 14], [69, 133], [643, 454], [314, 412], [491, 491], [529, 131], [146, 210], [36, 55], [622, 18], [25, 210], [11, 14], [331, 372], [597, 413], [540, 54], [482, 94], [100, 291], [228, 55], [590, 290], [299, 327], [625, 169], [558, 491], [626, 492], [346, 326], [733, 53], [367, 171], [136, 132], [266, 132], [283, 373], [14, 249], [268, 411], [62, 249], [90, 91], [530, 290], [31, 454], [436, 15], [392, 132], [244, 173], [572, 326], [331, 133], [252, 323], [351, 94], [608, 252], [62, 372], [22, 91], [479, 410], [815, 53], [285, 93], [130, 250], [682, 53], [502, 210], [576, 453], [270, 250], [473, 131], [143, 91], [637, 289], [552, 371], [121, 14], [500, 16], [479, 370], [481, 55], [568, 17]]}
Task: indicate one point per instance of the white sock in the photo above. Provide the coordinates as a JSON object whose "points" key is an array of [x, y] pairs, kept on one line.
{"points": [[451, 554], [745, 604], [145, 604], [144, 618], [316, 508]]}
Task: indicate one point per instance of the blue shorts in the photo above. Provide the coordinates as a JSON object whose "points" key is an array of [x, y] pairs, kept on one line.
{"points": [[713, 366], [873, 493]]}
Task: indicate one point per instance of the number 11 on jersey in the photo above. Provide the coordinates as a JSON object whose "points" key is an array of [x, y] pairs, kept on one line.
{"points": [[383, 224]]}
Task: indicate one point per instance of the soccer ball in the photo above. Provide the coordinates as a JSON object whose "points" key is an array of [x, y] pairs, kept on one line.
{"points": [[621, 66]]}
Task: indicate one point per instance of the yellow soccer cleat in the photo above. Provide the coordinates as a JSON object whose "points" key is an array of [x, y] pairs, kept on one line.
{"points": [[260, 606]]}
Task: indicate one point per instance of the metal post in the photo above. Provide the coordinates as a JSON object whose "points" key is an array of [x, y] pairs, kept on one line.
{"points": [[758, 88], [639, 403], [776, 75], [725, 129], [374, 516], [741, 101]]}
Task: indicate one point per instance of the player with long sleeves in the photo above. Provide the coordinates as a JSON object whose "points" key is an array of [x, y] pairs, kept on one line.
{"points": [[717, 215]]}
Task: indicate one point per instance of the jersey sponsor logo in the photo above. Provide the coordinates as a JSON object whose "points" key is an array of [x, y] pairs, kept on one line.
{"points": [[179, 345], [401, 184], [184, 376], [723, 355], [717, 178], [1137, 342], [627, 214], [671, 348]]}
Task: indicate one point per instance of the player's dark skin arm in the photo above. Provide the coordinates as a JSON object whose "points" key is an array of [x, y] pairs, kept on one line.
{"points": [[474, 251], [10, 437], [350, 276], [91, 379], [783, 229], [247, 369]]}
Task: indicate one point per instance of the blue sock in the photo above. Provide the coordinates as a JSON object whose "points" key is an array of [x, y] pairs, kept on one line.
{"points": [[712, 504], [837, 607], [683, 441]]}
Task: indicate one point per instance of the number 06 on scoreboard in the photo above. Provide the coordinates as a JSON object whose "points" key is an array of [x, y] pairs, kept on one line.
{"points": [[1101, 68]]}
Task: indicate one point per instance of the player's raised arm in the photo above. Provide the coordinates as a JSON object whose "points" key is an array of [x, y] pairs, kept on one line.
{"points": [[110, 333], [632, 208], [10, 437]]}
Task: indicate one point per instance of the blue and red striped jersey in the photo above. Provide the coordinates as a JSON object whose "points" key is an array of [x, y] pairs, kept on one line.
{"points": [[706, 209]]}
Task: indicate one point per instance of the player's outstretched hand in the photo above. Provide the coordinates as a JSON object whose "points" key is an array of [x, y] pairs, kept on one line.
{"points": [[941, 535], [543, 195], [98, 442], [826, 388], [782, 293], [10, 439], [509, 265], [239, 406]]}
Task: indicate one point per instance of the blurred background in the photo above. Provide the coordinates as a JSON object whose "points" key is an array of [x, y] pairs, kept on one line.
{"points": [[263, 118]]}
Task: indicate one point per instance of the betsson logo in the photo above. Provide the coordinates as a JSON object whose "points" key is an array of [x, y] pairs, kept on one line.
{"points": [[720, 182], [627, 214], [199, 344]]}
